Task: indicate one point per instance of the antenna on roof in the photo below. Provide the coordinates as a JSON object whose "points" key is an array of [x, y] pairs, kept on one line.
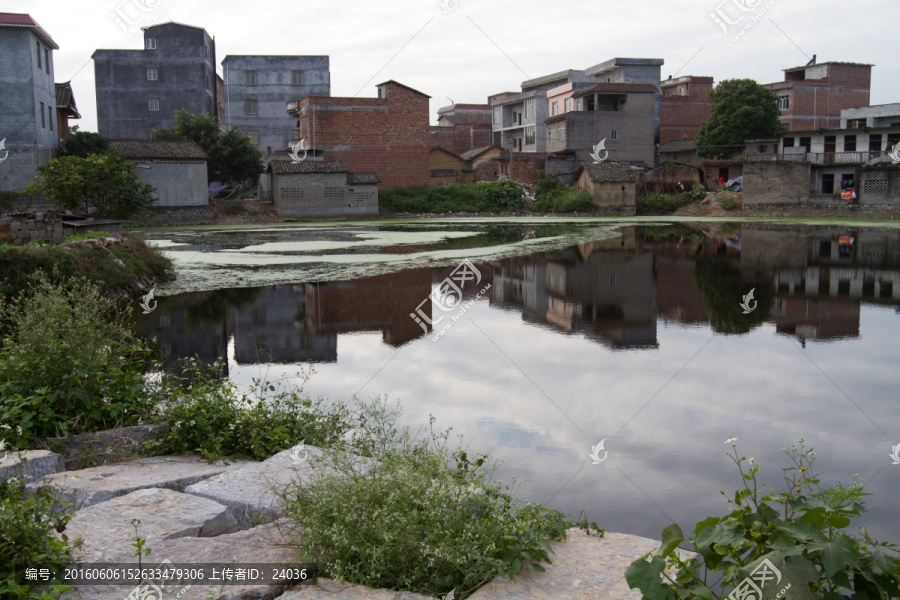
{"points": [[451, 100], [812, 61]]}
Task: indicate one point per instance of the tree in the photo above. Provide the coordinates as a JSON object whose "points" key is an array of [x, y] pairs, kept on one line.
{"points": [[84, 143], [741, 110], [106, 183], [232, 156]]}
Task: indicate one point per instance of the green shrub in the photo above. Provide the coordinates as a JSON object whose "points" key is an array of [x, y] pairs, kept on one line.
{"points": [[800, 531], [459, 197], [69, 363], [27, 525], [728, 203], [87, 235], [415, 516], [547, 183], [206, 415], [566, 199], [666, 204]]}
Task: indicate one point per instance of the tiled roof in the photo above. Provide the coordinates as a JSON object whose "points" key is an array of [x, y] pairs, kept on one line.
{"points": [[23, 20], [172, 149], [610, 172], [617, 88], [362, 179], [476, 152], [65, 98], [285, 167], [454, 154], [677, 146]]}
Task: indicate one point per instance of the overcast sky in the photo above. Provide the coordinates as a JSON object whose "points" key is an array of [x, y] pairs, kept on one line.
{"points": [[468, 49]]}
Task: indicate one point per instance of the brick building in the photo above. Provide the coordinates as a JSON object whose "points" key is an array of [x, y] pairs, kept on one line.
{"points": [[683, 107], [387, 135], [812, 96]]}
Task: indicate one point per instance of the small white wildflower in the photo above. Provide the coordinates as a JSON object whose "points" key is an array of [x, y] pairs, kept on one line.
{"points": [[731, 440], [18, 430]]}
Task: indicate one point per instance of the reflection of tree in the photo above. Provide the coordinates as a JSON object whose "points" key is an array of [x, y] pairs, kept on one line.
{"points": [[719, 282], [212, 310]]}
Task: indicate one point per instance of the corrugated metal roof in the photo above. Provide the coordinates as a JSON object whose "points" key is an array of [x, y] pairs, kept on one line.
{"points": [[610, 172], [285, 167], [362, 179], [171, 149]]}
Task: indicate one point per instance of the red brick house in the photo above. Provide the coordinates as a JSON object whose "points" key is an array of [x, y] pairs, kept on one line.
{"points": [[683, 107], [387, 135]]}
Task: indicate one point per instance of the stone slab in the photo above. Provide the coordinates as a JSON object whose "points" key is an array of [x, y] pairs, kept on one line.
{"points": [[327, 589], [164, 514], [106, 446], [29, 465], [98, 484]]}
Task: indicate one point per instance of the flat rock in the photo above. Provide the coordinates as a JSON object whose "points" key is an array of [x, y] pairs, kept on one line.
{"points": [[584, 567], [29, 465], [98, 484], [327, 589], [106, 446], [263, 544], [250, 490], [164, 514]]}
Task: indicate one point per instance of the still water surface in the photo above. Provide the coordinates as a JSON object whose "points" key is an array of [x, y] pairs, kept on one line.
{"points": [[576, 333]]}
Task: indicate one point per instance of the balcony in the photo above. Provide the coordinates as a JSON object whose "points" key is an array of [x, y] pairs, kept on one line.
{"points": [[819, 158]]}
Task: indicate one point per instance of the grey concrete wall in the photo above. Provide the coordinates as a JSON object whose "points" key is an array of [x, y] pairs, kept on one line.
{"points": [[23, 86], [273, 90], [177, 184], [634, 128], [322, 194], [185, 58], [776, 183], [878, 186]]}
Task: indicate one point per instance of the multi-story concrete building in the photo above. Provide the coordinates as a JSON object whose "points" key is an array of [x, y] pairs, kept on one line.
{"points": [[683, 107], [257, 87], [812, 96], [140, 90], [387, 135], [28, 121]]}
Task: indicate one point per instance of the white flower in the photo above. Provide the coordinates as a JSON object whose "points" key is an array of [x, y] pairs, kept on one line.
{"points": [[731, 440], [18, 430]]}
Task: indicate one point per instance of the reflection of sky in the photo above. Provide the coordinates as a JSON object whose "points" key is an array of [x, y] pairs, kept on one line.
{"points": [[758, 387]]}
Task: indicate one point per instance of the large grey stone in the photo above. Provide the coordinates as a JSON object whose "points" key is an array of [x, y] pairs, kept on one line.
{"points": [[251, 491], [98, 484], [327, 589], [264, 544], [111, 445], [29, 465], [164, 514]]}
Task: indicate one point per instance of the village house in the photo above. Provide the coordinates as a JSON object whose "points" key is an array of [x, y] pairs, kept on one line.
{"points": [[387, 135], [445, 166], [255, 89], [683, 107], [462, 127], [612, 185], [175, 168], [28, 117], [320, 188], [490, 163], [65, 108], [140, 90]]}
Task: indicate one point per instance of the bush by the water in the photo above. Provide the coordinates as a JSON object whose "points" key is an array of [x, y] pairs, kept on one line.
{"points": [[666, 204], [551, 195], [799, 531], [417, 516], [20, 264], [458, 197]]}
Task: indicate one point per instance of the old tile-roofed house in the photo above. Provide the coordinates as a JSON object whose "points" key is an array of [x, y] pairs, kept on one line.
{"points": [[65, 108], [612, 185], [318, 188], [176, 168], [488, 163]]}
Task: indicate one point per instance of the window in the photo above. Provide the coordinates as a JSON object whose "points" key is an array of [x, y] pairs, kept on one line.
{"points": [[153, 103], [497, 113], [249, 77], [529, 135], [567, 105], [875, 142], [784, 102], [562, 130], [43, 117], [554, 110], [683, 91], [152, 74], [849, 143], [529, 109], [47, 60], [613, 134], [837, 89], [297, 135], [550, 134], [579, 104], [296, 77], [50, 116], [806, 143], [38, 44], [828, 186], [787, 142], [253, 134], [150, 44], [856, 123], [250, 107]]}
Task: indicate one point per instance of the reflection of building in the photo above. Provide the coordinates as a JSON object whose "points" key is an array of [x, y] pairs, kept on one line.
{"points": [[816, 319], [180, 336], [383, 302], [679, 298], [271, 331]]}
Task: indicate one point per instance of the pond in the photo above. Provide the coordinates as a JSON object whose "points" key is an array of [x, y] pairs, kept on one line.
{"points": [[539, 339]]}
